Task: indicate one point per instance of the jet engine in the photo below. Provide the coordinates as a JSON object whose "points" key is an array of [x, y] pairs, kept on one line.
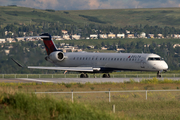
{"points": [[56, 56]]}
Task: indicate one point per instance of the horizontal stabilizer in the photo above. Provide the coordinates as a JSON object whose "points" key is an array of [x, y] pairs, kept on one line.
{"points": [[78, 69], [34, 37], [17, 63]]}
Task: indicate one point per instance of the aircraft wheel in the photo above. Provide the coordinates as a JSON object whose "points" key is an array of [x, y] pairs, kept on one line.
{"points": [[83, 76], [86, 76], [106, 76], [158, 74]]}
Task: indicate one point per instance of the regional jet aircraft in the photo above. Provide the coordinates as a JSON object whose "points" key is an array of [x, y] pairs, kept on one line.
{"points": [[86, 62]]}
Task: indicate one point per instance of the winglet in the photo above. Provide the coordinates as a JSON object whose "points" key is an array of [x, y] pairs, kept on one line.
{"points": [[17, 63]]}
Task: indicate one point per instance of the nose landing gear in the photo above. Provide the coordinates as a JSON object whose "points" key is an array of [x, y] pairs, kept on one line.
{"points": [[158, 74]]}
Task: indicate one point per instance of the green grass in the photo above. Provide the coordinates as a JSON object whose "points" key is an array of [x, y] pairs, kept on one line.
{"points": [[115, 17], [144, 110], [90, 106], [23, 106]]}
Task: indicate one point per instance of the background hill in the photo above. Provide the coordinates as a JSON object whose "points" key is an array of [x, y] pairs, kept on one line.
{"points": [[114, 17]]}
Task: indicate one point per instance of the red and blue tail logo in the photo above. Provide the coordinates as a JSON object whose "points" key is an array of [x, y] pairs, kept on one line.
{"points": [[49, 44]]}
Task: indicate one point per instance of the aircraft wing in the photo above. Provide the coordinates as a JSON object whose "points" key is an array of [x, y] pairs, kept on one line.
{"points": [[78, 69]]}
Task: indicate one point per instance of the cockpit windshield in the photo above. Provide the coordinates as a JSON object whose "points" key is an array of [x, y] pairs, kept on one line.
{"points": [[155, 58]]}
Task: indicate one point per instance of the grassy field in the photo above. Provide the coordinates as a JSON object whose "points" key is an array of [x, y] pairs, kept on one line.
{"points": [[15, 103], [116, 17]]}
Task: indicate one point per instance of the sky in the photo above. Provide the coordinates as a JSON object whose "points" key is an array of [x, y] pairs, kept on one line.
{"points": [[91, 4]]}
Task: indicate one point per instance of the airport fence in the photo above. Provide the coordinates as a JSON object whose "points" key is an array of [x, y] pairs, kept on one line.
{"points": [[90, 75], [112, 96]]}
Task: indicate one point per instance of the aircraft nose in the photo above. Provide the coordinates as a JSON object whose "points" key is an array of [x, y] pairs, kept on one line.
{"points": [[165, 66]]}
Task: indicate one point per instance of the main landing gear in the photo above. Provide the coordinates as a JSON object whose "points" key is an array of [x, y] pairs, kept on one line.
{"points": [[106, 75], [158, 74], [83, 75]]}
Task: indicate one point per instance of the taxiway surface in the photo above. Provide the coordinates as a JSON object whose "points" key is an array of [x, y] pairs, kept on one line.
{"points": [[76, 80]]}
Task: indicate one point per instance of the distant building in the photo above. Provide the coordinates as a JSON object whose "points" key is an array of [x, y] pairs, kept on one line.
{"points": [[151, 35], [20, 39], [10, 40], [2, 40], [91, 46], [103, 36], [121, 35], [128, 32], [143, 35], [120, 49], [76, 37], [66, 37], [176, 36], [130, 35], [64, 31], [160, 36], [8, 32], [111, 35], [94, 36], [7, 52], [176, 45], [57, 38], [103, 48]]}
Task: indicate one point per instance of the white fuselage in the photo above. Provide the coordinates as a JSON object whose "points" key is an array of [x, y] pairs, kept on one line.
{"points": [[114, 61]]}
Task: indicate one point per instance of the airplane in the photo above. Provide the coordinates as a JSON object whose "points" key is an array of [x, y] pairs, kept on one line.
{"points": [[90, 62]]}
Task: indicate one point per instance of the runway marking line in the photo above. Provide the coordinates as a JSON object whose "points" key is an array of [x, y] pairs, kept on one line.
{"points": [[27, 79]]}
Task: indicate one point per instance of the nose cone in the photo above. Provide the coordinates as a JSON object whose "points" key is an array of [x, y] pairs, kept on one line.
{"points": [[164, 66], [161, 65]]}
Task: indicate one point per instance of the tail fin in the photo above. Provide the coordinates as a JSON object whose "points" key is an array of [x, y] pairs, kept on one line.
{"points": [[48, 43]]}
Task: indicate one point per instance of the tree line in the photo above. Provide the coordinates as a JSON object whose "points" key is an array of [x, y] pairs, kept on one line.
{"points": [[84, 29]]}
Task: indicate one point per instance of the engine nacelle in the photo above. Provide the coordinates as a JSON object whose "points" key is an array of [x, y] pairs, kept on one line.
{"points": [[57, 56]]}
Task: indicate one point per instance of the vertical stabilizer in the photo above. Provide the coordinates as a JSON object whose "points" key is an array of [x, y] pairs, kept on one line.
{"points": [[48, 43]]}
